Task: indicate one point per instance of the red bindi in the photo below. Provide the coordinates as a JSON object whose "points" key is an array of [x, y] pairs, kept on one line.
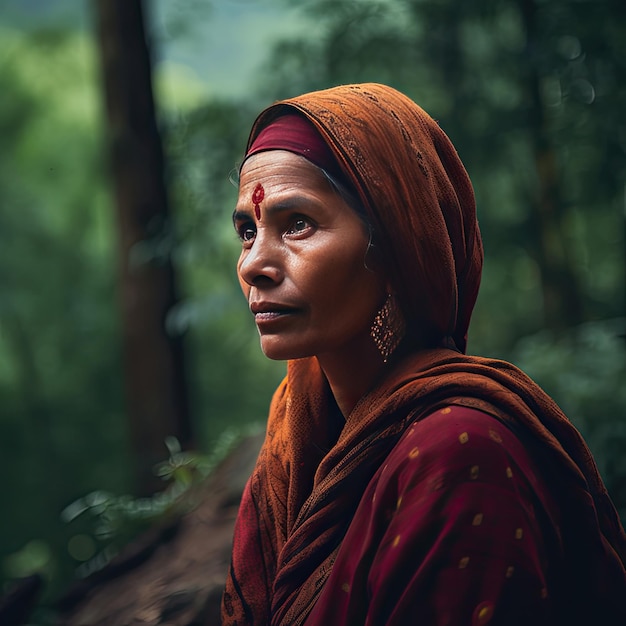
{"points": [[257, 197]]}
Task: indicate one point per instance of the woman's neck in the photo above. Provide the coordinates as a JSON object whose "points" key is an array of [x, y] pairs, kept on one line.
{"points": [[351, 373]]}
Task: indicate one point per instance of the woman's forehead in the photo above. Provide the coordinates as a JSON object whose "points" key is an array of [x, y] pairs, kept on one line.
{"points": [[277, 168], [278, 180]]}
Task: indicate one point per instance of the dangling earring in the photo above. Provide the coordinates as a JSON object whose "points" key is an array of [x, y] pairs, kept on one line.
{"points": [[388, 328]]}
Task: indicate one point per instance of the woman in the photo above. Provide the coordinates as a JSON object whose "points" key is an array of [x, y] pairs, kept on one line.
{"points": [[401, 481]]}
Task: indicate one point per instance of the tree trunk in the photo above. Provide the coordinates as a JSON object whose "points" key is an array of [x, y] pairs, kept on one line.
{"points": [[562, 302], [153, 359]]}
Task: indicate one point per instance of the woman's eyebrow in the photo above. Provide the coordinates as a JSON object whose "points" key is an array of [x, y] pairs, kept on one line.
{"points": [[289, 204], [241, 215]]}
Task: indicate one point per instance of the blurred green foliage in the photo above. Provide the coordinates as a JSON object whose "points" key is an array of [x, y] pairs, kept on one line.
{"points": [[59, 349], [585, 369], [62, 424]]}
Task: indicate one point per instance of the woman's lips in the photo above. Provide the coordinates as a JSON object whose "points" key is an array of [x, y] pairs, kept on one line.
{"points": [[269, 312], [268, 316]]}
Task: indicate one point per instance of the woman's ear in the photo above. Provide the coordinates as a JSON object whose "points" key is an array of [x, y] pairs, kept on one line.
{"points": [[373, 259]]}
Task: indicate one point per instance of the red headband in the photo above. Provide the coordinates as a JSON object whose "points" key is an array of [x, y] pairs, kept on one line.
{"points": [[296, 134]]}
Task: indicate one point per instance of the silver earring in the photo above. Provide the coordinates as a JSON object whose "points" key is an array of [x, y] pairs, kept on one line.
{"points": [[388, 328]]}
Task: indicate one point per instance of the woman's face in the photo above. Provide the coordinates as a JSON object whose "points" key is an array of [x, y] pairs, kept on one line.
{"points": [[303, 260]]}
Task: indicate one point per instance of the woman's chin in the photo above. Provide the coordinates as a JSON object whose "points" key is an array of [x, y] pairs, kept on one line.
{"points": [[279, 351]]}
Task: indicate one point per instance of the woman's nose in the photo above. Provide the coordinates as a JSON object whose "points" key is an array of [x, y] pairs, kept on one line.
{"points": [[261, 263]]}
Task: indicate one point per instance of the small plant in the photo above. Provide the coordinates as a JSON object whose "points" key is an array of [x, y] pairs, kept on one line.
{"points": [[115, 520]]}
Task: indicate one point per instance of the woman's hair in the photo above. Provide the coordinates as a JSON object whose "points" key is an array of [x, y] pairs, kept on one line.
{"points": [[402, 173], [348, 195]]}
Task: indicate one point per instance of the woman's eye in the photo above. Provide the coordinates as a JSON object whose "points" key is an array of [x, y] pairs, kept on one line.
{"points": [[246, 232], [299, 225]]}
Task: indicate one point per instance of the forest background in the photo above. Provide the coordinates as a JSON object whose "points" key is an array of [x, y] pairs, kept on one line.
{"points": [[532, 93]]}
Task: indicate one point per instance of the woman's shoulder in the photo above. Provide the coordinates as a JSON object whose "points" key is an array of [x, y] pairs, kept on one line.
{"points": [[460, 444], [458, 428]]}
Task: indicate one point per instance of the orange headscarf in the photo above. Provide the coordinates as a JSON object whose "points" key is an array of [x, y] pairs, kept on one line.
{"points": [[416, 194]]}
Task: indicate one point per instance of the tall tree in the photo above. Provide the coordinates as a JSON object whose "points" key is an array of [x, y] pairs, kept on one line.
{"points": [[562, 300], [154, 361]]}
